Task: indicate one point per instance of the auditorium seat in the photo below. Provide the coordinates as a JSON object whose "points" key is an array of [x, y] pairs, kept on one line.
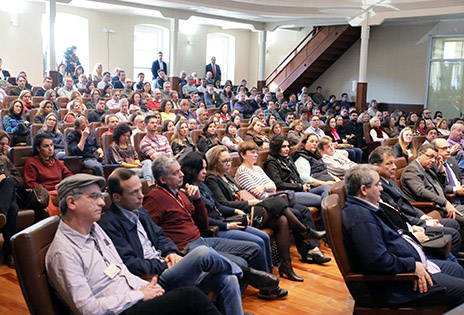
{"points": [[8, 100], [29, 249], [106, 142], [32, 113], [357, 283], [195, 135], [62, 102], [221, 132], [34, 129], [99, 132], [137, 138], [36, 100]]}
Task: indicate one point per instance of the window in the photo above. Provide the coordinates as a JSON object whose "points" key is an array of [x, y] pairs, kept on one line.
{"points": [[222, 46], [445, 80], [148, 40], [70, 30]]}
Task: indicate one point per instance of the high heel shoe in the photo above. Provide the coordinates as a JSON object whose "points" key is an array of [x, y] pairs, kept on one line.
{"points": [[286, 269], [311, 234]]}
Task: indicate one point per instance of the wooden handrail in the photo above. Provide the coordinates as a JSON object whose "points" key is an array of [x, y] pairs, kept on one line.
{"points": [[314, 31]]}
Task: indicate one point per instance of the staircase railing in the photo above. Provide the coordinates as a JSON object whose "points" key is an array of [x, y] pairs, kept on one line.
{"points": [[292, 54]]}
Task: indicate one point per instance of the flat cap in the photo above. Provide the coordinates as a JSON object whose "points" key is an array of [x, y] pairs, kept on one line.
{"points": [[78, 181]]}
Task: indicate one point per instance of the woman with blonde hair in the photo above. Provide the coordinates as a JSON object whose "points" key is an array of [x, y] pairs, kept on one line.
{"points": [[404, 147], [442, 126], [45, 108], [26, 98], [276, 129], [255, 133], [97, 74], [378, 132], [181, 143]]}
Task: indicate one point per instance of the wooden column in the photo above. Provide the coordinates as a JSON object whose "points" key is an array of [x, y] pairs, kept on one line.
{"points": [[261, 84], [361, 96], [174, 83]]}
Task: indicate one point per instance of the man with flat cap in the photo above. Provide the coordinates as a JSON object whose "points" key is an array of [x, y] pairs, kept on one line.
{"points": [[88, 274]]}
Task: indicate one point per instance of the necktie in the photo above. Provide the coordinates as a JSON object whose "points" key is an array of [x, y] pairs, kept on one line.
{"points": [[214, 70], [450, 175]]}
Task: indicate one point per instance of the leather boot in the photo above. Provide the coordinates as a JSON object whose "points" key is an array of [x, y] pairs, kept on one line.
{"points": [[286, 269]]}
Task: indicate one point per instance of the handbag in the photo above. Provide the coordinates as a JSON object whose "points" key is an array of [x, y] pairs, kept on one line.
{"points": [[438, 245], [257, 216], [288, 195], [243, 195], [38, 197], [242, 218]]}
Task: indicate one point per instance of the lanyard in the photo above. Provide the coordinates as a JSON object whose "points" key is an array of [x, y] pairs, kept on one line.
{"points": [[179, 202], [97, 247]]}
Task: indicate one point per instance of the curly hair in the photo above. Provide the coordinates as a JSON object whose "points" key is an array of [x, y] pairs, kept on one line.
{"points": [[119, 130], [276, 145]]}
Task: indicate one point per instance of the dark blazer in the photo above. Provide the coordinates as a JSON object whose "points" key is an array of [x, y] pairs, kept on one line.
{"points": [[222, 192], [216, 211], [155, 66], [124, 235], [421, 185], [393, 195], [6, 74], [375, 247], [455, 168], [282, 175], [209, 67], [357, 130]]}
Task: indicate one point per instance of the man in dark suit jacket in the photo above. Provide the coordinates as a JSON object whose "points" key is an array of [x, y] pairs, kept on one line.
{"points": [[448, 170], [214, 69], [384, 159], [421, 183], [158, 64], [375, 245], [145, 250]]}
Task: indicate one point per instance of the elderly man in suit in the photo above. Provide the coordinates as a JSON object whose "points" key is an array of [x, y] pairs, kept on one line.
{"points": [[384, 159], [214, 69], [421, 182], [159, 64], [449, 168], [375, 245]]}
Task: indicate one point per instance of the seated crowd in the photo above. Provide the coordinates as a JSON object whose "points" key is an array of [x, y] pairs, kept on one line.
{"points": [[249, 162]]}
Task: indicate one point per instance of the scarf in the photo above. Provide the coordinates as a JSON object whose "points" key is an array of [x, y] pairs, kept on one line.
{"points": [[379, 131], [334, 133]]}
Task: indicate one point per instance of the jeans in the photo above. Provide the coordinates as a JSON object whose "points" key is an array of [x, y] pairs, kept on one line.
{"points": [[254, 235], [186, 300], [145, 171], [93, 165], [242, 253], [313, 197], [354, 154], [211, 272]]}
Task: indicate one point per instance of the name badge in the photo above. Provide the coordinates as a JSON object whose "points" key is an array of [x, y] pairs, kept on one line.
{"points": [[111, 271]]}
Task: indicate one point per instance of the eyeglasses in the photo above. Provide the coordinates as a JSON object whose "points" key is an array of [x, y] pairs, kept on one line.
{"points": [[95, 196], [226, 161], [430, 156]]}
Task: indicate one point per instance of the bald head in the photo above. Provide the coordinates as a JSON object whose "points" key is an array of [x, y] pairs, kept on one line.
{"points": [[444, 148]]}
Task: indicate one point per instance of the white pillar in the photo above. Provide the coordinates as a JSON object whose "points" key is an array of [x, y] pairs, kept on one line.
{"points": [[262, 55], [365, 28], [51, 8], [174, 35]]}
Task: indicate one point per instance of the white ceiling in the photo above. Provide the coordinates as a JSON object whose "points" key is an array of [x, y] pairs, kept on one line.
{"points": [[271, 14]]}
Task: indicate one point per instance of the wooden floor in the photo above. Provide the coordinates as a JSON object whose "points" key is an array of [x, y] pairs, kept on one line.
{"points": [[322, 292]]}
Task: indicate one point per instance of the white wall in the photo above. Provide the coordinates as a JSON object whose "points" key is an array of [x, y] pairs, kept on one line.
{"points": [[397, 63], [24, 49]]}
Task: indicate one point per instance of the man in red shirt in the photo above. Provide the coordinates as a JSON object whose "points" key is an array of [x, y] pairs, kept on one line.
{"points": [[155, 103], [182, 220]]}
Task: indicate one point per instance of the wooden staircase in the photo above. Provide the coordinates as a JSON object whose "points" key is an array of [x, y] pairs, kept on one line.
{"points": [[312, 57]]}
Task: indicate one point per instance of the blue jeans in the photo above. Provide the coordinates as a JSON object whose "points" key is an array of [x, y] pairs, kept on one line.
{"points": [[209, 271], [254, 235], [313, 197], [93, 165], [147, 173], [242, 253], [354, 154]]}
